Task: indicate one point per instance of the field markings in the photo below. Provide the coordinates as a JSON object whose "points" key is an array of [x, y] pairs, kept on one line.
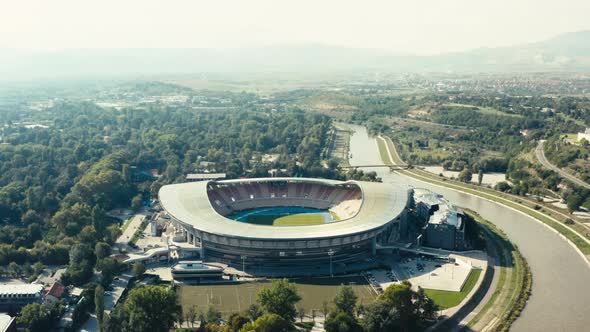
{"points": [[238, 298]]}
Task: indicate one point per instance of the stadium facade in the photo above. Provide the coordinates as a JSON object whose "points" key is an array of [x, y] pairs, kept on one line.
{"points": [[366, 214]]}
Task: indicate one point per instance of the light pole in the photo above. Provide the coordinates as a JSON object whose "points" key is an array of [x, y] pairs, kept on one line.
{"points": [[244, 263], [331, 253]]}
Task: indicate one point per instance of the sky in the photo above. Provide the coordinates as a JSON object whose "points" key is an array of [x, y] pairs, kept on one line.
{"points": [[407, 26]]}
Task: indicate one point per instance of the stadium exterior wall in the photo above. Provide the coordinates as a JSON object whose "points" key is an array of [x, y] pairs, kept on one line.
{"points": [[229, 241]]}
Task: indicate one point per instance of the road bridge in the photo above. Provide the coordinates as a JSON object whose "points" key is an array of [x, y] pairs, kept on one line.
{"points": [[391, 166]]}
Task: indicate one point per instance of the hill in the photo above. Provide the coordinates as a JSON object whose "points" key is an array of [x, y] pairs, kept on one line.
{"points": [[566, 52]]}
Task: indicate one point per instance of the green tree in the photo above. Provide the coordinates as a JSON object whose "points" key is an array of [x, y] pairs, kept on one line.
{"points": [[99, 304], [38, 268], [236, 321], [254, 311], [503, 186], [109, 268], [36, 317], [151, 308], [381, 317], [301, 313], [31, 217], [112, 233], [268, 323], [345, 300], [399, 308], [14, 269], [213, 315], [280, 298], [125, 171], [400, 296], [339, 321], [98, 220], [138, 269], [426, 307], [325, 308], [574, 201], [102, 250], [136, 202], [88, 235], [465, 175], [479, 176], [191, 315]]}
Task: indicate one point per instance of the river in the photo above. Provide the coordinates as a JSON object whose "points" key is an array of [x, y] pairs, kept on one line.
{"points": [[560, 299]]}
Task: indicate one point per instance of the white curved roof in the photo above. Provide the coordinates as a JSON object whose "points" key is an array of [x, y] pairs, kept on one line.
{"points": [[190, 204]]}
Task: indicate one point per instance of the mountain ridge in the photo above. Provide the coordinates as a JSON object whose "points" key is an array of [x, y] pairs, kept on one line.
{"points": [[564, 52]]}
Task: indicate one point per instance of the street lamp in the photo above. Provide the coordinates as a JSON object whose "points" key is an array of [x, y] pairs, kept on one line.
{"points": [[243, 263], [331, 253]]}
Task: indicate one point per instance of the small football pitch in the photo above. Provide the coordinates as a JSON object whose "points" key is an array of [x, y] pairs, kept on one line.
{"points": [[448, 299], [229, 298]]}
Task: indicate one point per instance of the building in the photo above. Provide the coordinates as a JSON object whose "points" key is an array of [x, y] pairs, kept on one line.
{"points": [[585, 135], [7, 323], [157, 224], [54, 293], [18, 295], [368, 213], [196, 271], [444, 224], [204, 177], [525, 132]]}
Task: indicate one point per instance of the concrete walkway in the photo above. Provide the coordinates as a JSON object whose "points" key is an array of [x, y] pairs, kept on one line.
{"points": [[134, 224]]}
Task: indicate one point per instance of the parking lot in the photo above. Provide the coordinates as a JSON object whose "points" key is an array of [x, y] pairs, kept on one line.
{"points": [[433, 274], [428, 273]]}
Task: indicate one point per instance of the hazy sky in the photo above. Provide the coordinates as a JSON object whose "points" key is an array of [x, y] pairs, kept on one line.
{"points": [[411, 26]]}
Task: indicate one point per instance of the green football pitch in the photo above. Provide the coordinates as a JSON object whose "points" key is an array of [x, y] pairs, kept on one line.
{"points": [[285, 216], [300, 220], [237, 297]]}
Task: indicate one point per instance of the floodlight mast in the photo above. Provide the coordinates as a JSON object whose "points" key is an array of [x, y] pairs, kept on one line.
{"points": [[331, 253]]}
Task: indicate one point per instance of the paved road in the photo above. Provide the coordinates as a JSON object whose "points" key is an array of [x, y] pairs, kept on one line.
{"points": [[539, 152], [131, 229], [560, 294]]}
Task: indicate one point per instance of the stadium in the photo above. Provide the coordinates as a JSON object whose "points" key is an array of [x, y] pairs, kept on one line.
{"points": [[275, 222]]}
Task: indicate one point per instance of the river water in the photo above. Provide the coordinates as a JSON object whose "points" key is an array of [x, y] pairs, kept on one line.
{"points": [[560, 299]]}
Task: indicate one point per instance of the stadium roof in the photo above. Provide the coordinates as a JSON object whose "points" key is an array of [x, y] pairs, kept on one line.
{"points": [[21, 289], [190, 204], [205, 176]]}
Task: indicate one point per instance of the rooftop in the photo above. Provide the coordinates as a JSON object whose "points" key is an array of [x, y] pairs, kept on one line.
{"points": [[189, 204], [56, 290], [447, 213], [5, 321], [205, 176], [21, 289]]}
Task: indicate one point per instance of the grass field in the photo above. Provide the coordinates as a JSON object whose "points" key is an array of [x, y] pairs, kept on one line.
{"points": [[237, 297], [300, 220], [285, 216], [447, 299], [571, 137], [484, 110]]}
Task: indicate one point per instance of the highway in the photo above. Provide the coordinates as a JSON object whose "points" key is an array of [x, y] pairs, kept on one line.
{"points": [[560, 294], [545, 162]]}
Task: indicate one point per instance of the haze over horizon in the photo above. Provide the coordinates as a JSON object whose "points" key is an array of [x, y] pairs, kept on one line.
{"points": [[420, 27]]}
